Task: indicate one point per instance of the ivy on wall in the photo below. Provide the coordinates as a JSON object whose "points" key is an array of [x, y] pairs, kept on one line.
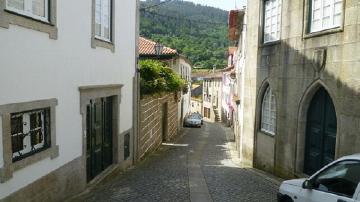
{"points": [[157, 77]]}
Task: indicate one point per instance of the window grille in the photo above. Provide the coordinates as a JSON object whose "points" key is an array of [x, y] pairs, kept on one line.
{"points": [[30, 132]]}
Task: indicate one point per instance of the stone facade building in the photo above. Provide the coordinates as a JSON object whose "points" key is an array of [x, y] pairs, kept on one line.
{"points": [[67, 83], [301, 99]]}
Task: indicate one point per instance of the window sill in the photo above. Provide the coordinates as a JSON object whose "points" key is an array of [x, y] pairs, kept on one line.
{"points": [[13, 12], [6, 172], [271, 43], [323, 32], [51, 152], [266, 133], [8, 17], [96, 42]]}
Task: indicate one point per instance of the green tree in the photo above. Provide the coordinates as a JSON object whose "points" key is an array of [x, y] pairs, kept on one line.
{"points": [[157, 77], [198, 32]]}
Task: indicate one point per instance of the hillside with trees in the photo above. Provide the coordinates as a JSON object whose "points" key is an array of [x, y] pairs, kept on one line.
{"points": [[196, 31]]}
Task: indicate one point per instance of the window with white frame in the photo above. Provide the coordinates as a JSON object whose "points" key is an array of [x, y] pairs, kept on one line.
{"points": [[30, 132], [103, 19], [325, 14], [272, 20], [268, 112], [36, 9]]}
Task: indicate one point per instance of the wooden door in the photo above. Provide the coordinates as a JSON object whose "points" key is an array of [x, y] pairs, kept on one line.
{"points": [[320, 132], [164, 122], [99, 136]]}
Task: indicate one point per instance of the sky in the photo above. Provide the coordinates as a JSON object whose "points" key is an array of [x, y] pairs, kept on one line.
{"points": [[223, 4]]}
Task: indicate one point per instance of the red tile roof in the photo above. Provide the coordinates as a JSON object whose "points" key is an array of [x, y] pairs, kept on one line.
{"points": [[146, 47]]}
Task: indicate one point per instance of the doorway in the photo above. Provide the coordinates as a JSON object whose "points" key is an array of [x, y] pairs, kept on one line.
{"points": [[99, 129], [164, 121], [321, 127]]}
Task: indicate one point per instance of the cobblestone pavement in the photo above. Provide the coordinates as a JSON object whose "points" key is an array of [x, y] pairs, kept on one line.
{"points": [[197, 167]]}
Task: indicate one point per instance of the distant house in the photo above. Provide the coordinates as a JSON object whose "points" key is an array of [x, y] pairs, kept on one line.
{"points": [[228, 89], [196, 98], [212, 97], [196, 90], [67, 95], [179, 63], [147, 51]]}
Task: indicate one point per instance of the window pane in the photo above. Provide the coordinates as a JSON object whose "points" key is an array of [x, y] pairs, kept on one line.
{"points": [[267, 5], [16, 134], [317, 15], [337, 20], [106, 18], [327, 2], [316, 4], [316, 25], [36, 126], [38, 7], [98, 18], [17, 4], [107, 32], [327, 11], [326, 22], [338, 8]]}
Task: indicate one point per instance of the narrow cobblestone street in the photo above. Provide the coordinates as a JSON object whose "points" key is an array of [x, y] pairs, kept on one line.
{"points": [[198, 167]]}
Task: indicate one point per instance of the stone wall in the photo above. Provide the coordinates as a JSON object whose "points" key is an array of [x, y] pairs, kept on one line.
{"points": [[153, 128]]}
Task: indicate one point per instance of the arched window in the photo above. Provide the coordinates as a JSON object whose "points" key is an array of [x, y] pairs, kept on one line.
{"points": [[268, 112]]}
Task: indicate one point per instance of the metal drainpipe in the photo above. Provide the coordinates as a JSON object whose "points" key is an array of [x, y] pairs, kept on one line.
{"points": [[136, 87]]}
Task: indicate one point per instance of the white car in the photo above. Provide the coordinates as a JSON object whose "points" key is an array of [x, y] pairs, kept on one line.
{"points": [[336, 182]]}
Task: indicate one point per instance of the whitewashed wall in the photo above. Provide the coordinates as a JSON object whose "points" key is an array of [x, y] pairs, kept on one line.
{"points": [[34, 67], [186, 76]]}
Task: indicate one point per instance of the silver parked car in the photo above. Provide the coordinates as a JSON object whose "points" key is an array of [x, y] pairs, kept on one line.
{"points": [[199, 116], [192, 121]]}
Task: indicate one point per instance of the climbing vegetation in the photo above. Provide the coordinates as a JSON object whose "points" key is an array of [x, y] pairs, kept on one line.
{"points": [[158, 77]]}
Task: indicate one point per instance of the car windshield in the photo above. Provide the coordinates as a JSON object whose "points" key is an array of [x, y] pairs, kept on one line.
{"points": [[196, 115], [342, 178]]}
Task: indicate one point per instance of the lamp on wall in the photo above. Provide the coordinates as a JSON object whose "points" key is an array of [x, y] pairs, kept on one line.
{"points": [[158, 49]]}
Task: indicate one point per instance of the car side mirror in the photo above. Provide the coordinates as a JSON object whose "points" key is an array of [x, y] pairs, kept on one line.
{"points": [[307, 184]]}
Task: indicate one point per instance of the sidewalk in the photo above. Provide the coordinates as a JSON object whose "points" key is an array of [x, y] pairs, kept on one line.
{"points": [[236, 159]]}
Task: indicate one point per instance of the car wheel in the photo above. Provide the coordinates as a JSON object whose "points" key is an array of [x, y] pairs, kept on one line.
{"points": [[286, 199]]}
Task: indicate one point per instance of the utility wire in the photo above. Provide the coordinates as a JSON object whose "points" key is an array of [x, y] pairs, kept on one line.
{"points": [[156, 5]]}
